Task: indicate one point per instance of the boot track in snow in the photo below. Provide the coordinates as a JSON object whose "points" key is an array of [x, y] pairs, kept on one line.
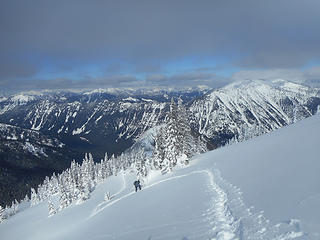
{"points": [[227, 218]]}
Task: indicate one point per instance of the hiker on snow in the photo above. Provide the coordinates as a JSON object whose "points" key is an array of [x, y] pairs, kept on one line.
{"points": [[137, 185]]}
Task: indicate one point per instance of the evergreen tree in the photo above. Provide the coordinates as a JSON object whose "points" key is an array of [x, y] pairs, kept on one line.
{"points": [[34, 197], [51, 208], [84, 190], [171, 139], [26, 198], [185, 139], [64, 199], [2, 214], [140, 163], [53, 185], [175, 141], [159, 149], [114, 165], [15, 206], [100, 171]]}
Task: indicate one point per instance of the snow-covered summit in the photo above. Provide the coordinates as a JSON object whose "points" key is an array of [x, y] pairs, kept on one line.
{"points": [[22, 99], [256, 106], [267, 85]]}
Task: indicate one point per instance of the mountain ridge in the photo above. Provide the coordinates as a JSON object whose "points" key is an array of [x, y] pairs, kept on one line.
{"points": [[226, 112], [100, 122]]}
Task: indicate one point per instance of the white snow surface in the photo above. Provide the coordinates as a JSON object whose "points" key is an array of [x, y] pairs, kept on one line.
{"points": [[277, 173]]}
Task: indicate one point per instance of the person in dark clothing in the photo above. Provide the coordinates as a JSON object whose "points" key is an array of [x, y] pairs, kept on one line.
{"points": [[137, 185]]}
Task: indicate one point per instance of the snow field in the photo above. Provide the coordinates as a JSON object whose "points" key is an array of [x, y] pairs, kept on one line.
{"points": [[186, 204]]}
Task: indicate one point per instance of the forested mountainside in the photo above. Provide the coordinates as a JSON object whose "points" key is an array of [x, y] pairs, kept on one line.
{"points": [[26, 158], [101, 121], [76, 123]]}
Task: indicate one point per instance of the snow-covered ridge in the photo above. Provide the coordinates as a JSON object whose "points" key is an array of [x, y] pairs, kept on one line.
{"points": [[131, 99], [2, 99], [126, 112], [237, 111], [257, 106], [279, 84]]}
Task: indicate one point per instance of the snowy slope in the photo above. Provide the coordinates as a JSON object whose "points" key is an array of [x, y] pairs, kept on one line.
{"points": [[277, 173]]}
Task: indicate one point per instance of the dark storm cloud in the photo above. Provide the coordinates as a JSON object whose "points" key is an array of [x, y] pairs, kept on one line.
{"points": [[146, 34], [12, 68]]}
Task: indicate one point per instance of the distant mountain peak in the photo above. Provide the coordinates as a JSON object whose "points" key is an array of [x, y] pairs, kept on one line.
{"points": [[253, 107]]}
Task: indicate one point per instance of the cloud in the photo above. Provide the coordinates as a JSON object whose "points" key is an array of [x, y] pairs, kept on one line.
{"points": [[145, 36], [187, 79], [177, 81], [313, 76], [201, 77], [10, 68], [66, 83]]}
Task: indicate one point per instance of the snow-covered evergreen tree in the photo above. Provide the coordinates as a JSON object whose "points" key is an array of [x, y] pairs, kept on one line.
{"points": [[141, 163], [51, 208], [84, 189], [100, 171], [159, 149], [15, 206], [26, 199], [114, 165], [53, 185], [166, 144], [2, 214], [34, 197], [175, 141], [65, 199]]}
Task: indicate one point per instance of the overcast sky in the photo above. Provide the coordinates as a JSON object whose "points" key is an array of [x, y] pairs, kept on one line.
{"points": [[96, 43]]}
